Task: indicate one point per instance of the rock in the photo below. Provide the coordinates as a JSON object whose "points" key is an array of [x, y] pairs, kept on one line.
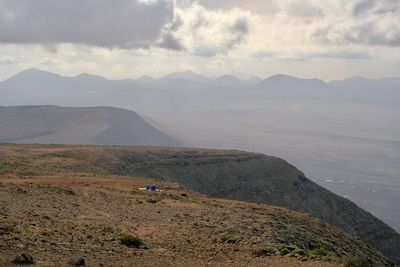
{"points": [[20, 191], [78, 261], [24, 258]]}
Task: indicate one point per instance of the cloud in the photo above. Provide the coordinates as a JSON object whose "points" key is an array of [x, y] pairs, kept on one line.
{"points": [[363, 22], [373, 30], [207, 32], [171, 43], [104, 23], [299, 8], [7, 60], [334, 55]]}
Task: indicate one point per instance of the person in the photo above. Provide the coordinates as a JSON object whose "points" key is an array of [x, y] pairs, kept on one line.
{"points": [[147, 188], [153, 188]]}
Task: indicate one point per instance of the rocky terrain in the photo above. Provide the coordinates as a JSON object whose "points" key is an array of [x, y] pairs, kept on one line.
{"points": [[63, 202], [58, 220]]}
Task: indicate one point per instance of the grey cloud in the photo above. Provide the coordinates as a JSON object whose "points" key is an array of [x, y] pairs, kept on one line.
{"points": [[368, 33], [178, 22], [171, 43], [371, 35], [362, 6], [239, 29], [241, 25], [106, 23], [375, 7], [199, 21]]}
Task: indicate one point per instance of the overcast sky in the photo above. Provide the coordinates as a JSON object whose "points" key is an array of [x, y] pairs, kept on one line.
{"points": [[329, 39]]}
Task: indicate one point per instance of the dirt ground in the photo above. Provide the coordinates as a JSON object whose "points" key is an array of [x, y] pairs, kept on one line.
{"points": [[57, 219]]}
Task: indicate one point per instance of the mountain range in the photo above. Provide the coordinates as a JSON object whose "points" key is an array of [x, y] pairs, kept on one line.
{"points": [[34, 86]]}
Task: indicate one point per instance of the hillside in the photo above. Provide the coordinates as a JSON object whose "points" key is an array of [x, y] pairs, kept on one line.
{"points": [[228, 174], [57, 203], [65, 125]]}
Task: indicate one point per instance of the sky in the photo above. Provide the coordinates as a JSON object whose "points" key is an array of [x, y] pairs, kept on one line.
{"points": [[331, 39]]}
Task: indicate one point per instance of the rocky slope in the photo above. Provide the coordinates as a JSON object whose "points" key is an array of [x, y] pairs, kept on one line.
{"points": [[228, 174], [64, 219]]}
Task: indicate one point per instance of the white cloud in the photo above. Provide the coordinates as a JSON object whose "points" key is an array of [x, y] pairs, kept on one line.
{"points": [[210, 32]]}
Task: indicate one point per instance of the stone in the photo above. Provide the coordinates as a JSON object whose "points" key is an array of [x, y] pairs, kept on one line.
{"points": [[24, 258], [78, 261]]}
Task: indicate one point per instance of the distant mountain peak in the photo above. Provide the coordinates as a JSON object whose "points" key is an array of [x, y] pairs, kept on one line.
{"points": [[228, 77], [186, 75], [34, 71], [88, 76], [33, 74]]}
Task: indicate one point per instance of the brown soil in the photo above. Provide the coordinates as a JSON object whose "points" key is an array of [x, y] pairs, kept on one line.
{"points": [[58, 219]]}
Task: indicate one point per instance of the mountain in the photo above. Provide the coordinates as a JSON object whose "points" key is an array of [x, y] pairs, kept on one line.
{"points": [[285, 82], [33, 76], [65, 125], [288, 87], [45, 190], [186, 75], [227, 81], [86, 77]]}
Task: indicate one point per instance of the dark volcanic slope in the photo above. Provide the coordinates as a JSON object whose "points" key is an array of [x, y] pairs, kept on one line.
{"points": [[64, 125], [230, 174]]}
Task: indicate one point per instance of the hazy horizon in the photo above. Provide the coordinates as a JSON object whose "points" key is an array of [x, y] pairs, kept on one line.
{"points": [[243, 76]]}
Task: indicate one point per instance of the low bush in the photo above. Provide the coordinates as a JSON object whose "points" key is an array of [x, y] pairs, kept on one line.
{"points": [[319, 251], [230, 238], [131, 241], [285, 250]]}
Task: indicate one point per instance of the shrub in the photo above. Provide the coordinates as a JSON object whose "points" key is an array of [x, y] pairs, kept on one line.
{"points": [[285, 250], [265, 251], [319, 251], [131, 241], [230, 238]]}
